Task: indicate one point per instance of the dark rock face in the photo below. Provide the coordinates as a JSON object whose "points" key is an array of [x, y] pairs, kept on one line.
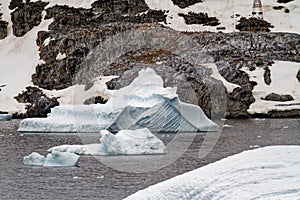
{"points": [[95, 100], [253, 25], [76, 31], [199, 18], [39, 104], [284, 1], [267, 76], [278, 97], [298, 75], [294, 113], [185, 3], [26, 16], [3, 27]]}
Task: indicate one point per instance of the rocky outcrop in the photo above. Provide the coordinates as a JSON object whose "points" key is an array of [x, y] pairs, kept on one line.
{"points": [[298, 76], [95, 100], [284, 1], [254, 25], [3, 27], [38, 104], [76, 31], [185, 3], [267, 75], [199, 18], [26, 15], [278, 97]]}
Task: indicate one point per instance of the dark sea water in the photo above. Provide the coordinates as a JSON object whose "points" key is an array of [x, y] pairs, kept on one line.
{"points": [[95, 180]]}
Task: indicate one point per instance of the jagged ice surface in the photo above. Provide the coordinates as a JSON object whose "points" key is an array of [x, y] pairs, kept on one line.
{"points": [[145, 103]]}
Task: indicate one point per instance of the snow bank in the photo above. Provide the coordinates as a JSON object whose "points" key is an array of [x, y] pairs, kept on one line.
{"points": [[284, 81], [264, 173], [145, 103], [225, 11], [5, 117], [125, 142], [53, 159]]}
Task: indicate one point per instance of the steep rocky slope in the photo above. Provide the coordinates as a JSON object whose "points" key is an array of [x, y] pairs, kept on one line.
{"points": [[76, 33]]}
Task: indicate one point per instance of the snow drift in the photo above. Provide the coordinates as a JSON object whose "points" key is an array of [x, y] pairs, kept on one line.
{"points": [[125, 142], [145, 103], [265, 173], [53, 159]]}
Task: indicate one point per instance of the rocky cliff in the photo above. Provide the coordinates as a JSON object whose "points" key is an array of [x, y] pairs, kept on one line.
{"points": [[76, 32]]}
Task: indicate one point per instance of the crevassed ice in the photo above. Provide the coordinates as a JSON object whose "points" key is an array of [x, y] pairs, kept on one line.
{"points": [[145, 103]]}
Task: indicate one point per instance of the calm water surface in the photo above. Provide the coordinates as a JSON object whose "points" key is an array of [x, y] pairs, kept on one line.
{"points": [[94, 180]]}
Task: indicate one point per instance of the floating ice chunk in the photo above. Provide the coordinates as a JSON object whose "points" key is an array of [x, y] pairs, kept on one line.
{"points": [[61, 159], [145, 103], [53, 159], [125, 142], [5, 117], [34, 159], [129, 142], [227, 126]]}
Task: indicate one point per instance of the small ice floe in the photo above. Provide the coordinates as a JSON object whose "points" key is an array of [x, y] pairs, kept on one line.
{"points": [[285, 127], [5, 117], [53, 159], [254, 146], [125, 142], [76, 177], [100, 177], [259, 136], [227, 126]]}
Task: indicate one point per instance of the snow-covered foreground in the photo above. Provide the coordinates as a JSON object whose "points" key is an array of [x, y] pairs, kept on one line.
{"points": [[266, 173], [125, 142], [53, 159], [145, 103], [284, 81]]}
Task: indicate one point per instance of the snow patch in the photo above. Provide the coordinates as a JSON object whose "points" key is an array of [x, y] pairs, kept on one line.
{"points": [[60, 56], [264, 173], [225, 11], [284, 81], [18, 54]]}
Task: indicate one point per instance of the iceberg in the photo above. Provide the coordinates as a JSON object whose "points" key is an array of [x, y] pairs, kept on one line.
{"points": [[53, 159], [265, 173], [145, 103], [125, 142], [5, 117]]}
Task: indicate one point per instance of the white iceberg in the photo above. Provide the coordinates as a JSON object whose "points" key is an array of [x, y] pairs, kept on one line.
{"points": [[53, 159], [5, 117], [264, 173], [145, 103], [125, 142]]}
